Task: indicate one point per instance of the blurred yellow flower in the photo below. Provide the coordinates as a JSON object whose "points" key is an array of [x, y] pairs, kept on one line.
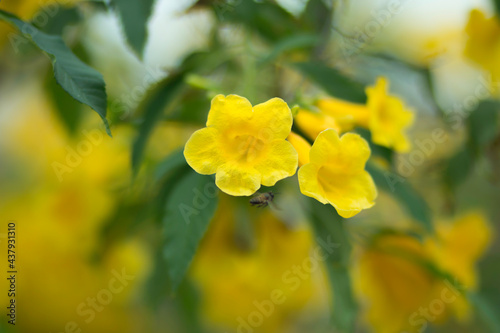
{"points": [[483, 44], [457, 247], [347, 114], [301, 146], [244, 146], [389, 117], [397, 289], [259, 285], [313, 123], [336, 173]]}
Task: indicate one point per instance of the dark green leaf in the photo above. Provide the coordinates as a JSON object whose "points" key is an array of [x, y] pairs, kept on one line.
{"points": [[317, 16], [459, 167], [81, 81], [189, 209], [134, 16], [332, 238], [486, 311], [290, 43], [153, 110], [265, 17], [483, 124], [173, 162], [332, 81], [402, 191]]}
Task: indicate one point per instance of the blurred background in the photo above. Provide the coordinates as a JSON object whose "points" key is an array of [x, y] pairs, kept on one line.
{"points": [[93, 213]]}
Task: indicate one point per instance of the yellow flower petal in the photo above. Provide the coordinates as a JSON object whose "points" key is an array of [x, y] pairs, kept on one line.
{"points": [[274, 118], [309, 183], [237, 181], [202, 152], [336, 173], [245, 147], [313, 123], [281, 162], [347, 114], [388, 117], [229, 111], [301, 146]]}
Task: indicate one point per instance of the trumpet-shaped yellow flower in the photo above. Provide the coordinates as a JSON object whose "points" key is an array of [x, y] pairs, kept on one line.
{"points": [[336, 173], [388, 117], [483, 44], [400, 293], [301, 146], [244, 146], [313, 123], [347, 114]]}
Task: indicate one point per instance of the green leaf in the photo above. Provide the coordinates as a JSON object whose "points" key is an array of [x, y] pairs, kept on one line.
{"points": [[171, 163], [483, 124], [189, 209], [486, 311], [458, 167], [332, 81], [403, 192], [134, 16], [291, 43], [81, 81], [153, 110], [329, 229], [266, 18]]}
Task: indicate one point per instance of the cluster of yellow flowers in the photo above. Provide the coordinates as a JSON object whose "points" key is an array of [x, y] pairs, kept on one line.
{"points": [[247, 146]]}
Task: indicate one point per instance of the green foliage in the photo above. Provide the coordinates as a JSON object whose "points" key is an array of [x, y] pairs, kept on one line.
{"points": [[329, 228], [332, 81], [154, 107], [81, 81], [483, 124], [134, 17], [403, 192], [189, 210]]}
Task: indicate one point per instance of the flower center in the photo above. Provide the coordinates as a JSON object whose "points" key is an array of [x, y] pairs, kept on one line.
{"points": [[247, 147]]}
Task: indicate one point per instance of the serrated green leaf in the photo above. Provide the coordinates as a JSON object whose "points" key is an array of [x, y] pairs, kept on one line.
{"points": [[189, 210], [162, 95], [332, 81], [403, 192], [134, 17], [81, 81], [329, 229]]}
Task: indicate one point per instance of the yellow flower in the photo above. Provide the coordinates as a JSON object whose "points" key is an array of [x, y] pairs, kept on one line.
{"points": [[347, 114], [238, 276], [301, 146], [483, 44], [400, 293], [457, 247], [244, 146], [388, 117], [336, 173], [313, 123]]}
